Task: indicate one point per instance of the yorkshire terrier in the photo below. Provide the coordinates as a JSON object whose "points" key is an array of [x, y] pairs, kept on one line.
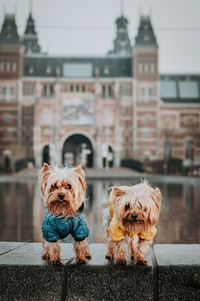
{"points": [[63, 194], [134, 212]]}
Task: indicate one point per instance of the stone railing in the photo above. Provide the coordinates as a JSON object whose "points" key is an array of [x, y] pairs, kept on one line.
{"points": [[172, 273]]}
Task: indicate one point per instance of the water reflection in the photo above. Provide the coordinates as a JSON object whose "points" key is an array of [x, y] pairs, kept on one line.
{"points": [[22, 210]]}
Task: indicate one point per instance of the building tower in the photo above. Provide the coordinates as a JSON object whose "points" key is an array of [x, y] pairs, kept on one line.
{"points": [[30, 39], [11, 68], [122, 45], [146, 92]]}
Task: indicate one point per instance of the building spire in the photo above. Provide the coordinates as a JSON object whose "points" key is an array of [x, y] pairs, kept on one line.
{"points": [[122, 7], [122, 45], [30, 39], [30, 6], [145, 35]]}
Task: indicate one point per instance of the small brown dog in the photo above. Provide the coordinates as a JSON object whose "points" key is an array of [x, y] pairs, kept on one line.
{"points": [[63, 193], [134, 211]]}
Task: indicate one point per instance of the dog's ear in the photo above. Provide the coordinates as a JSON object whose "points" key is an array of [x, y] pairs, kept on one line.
{"points": [[115, 195], [156, 196], [80, 170], [117, 191], [81, 176], [44, 173]]}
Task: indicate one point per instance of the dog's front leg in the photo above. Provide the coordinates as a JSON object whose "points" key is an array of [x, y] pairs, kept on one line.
{"points": [[142, 249], [132, 243], [82, 251], [120, 252], [51, 252]]}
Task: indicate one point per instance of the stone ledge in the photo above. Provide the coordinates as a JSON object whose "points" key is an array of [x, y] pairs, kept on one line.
{"points": [[178, 272], [173, 275]]}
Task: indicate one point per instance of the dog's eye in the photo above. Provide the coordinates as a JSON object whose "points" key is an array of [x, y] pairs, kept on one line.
{"points": [[53, 187], [69, 186], [127, 206]]}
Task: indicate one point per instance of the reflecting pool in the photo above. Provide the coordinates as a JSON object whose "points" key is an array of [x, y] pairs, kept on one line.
{"points": [[21, 211]]}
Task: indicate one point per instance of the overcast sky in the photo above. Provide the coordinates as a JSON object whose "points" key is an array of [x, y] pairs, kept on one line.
{"points": [[86, 27]]}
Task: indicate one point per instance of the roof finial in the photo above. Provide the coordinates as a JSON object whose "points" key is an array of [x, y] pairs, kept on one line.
{"points": [[30, 6], [122, 7], [150, 11], [4, 9]]}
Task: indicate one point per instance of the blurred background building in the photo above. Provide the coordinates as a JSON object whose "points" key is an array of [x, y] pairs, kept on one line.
{"points": [[112, 110]]}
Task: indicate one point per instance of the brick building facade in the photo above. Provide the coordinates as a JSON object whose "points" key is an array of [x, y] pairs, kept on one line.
{"points": [[66, 109]]}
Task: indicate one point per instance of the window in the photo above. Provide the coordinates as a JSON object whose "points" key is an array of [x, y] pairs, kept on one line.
{"points": [[7, 118], [146, 67], [168, 89], [48, 90], [14, 66], [77, 88], [146, 95], [28, 89], [8, 94], [189, 149], [48, 69], [188, 89], [30, 70], [140, 67], [146, 119], [77, 70], [167, 149], [8, 65], [107, 91], [152, 67], [1, 66], [125, 90]]}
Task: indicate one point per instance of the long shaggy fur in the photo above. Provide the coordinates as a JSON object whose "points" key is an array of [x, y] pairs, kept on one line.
{"points": [[140, 199], [71, 183]]}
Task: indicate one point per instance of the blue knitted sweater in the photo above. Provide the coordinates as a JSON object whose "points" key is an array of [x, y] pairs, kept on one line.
{"points": [[56, 227]]}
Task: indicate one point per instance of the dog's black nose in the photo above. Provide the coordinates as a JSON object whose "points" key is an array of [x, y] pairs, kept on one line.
{"points": [[61, 196], [134, 215]]}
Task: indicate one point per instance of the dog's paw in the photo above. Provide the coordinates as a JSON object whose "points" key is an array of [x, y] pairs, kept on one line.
{"points": [[142, 262], [81, 261], [109, 257], [88, 256], [45, 256], [55, 261], [121, 261]]}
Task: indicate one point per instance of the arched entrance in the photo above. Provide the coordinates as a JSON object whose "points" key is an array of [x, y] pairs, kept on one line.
{"points": [[46, 155], [77, 149]]}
